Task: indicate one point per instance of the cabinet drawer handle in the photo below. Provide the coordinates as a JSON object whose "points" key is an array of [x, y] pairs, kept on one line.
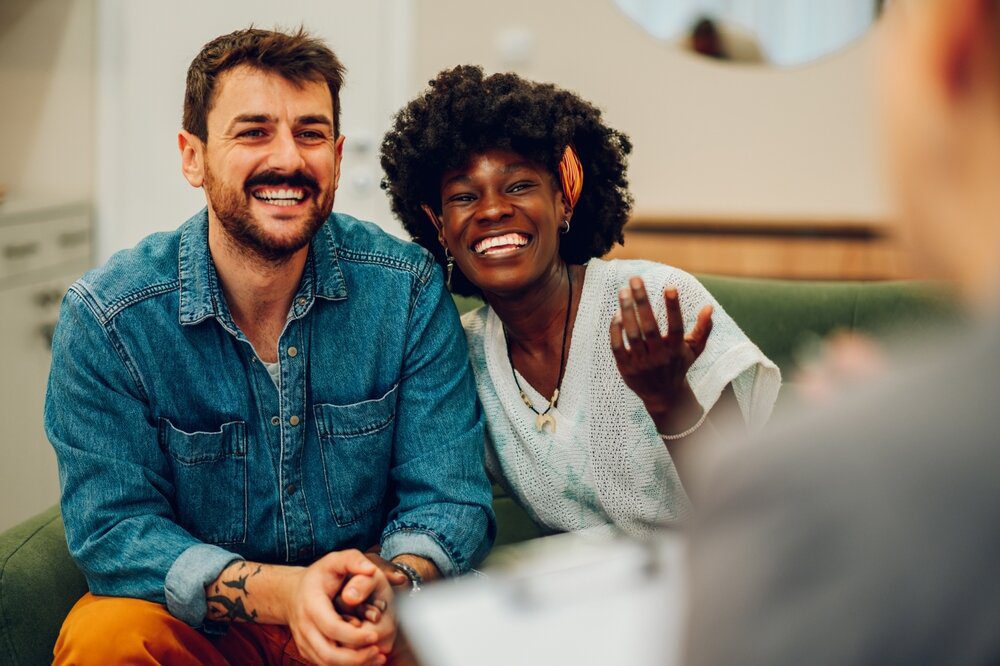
{"points": [[73, 238], [48, 297], [20, 251], [47, 330]]}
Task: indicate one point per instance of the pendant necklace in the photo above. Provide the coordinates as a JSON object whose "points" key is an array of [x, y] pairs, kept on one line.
{"points": [[543, 419]]}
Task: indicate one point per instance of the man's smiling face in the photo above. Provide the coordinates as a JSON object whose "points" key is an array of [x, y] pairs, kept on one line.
{"points": [[272, 161]]}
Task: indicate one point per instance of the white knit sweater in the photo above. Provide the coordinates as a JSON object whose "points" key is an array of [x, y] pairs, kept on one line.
{"points": [[605, 466]]}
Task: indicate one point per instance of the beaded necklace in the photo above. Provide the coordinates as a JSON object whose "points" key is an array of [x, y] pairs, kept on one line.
{"points": [[544, 418]]}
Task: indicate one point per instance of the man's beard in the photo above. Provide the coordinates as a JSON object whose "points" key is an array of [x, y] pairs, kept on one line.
{"points": [[232, 208]]}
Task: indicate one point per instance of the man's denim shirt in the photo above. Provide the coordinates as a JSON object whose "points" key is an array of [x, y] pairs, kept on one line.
{"points": [[177, 454]]}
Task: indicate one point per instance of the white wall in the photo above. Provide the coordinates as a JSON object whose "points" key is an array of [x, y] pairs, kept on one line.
{"points": [[710, 138], [145, 49], [46, 157], [46, 75]]}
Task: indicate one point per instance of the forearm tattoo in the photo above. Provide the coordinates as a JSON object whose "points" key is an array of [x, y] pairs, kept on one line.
{"points": [[228, 602]]}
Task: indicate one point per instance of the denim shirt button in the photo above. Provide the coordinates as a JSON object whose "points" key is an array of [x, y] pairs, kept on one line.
{"points": [[291, 489], [293, 352], [294, 420], [275, 420], [301, 301], [303, 551]]}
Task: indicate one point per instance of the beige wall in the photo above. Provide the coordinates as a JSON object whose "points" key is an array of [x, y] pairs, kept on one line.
{"points": [[46, 74], [710, 139]]}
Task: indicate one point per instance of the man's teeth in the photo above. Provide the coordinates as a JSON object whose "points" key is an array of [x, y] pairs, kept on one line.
{"points": [[500, 244], [286, 197]]}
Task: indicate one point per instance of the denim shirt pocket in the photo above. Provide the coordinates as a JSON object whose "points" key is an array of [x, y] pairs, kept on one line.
{"points": [[210, 480], [355, 442]]}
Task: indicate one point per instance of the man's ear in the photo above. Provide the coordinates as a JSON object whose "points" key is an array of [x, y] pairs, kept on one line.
{"points": [[338, 148], [192, 158], [966, 44], [436, 221]]}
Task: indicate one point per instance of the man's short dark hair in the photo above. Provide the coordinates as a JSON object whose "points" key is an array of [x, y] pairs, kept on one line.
{"points": [[298, 57]]}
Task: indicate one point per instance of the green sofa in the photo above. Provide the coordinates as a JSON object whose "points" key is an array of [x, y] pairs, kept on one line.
{"points": [[39, 582]]}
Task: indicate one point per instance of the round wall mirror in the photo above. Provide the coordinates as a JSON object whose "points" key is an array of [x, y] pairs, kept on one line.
{"points": [[781, 33]]}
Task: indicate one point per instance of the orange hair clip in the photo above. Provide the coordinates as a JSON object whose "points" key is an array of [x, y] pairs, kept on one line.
{"points": [[571, 175]]}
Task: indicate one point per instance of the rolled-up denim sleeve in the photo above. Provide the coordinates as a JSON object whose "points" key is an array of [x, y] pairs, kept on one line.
{"points": [[415, 540], [116, 484], [444, 509], [185, 583]]}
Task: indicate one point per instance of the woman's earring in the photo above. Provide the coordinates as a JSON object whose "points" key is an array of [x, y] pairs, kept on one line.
{"points": [[449, 267], [565, 230]]}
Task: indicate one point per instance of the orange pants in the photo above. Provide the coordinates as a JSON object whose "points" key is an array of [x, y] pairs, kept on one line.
{"points": [[118, 630]]}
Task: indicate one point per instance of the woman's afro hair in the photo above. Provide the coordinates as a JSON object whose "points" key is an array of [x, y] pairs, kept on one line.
{"points": [[465, 113]]}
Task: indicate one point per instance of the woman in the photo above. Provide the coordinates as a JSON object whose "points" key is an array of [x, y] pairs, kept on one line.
{"points": [[517, 188]]}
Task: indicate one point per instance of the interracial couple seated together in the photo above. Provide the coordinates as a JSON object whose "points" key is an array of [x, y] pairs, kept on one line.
{"points": [[271, 417]]}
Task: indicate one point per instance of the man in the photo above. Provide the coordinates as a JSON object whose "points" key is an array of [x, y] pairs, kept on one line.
{"points": [[239, 404], [868, 535]]}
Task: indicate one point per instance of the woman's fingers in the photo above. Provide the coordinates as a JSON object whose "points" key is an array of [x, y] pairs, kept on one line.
{"points": [[618, 340], [630, 322], [371, 612], [635, 325], [698, 337], [324, 618], [395, 576], [647, 320], [385, 626], [675, 320]]}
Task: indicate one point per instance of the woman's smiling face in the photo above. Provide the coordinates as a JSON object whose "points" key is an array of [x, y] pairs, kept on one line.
{"points": [[500, 218]]}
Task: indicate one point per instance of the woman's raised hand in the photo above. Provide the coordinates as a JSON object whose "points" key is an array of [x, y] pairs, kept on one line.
{"points": [[653, 365]]}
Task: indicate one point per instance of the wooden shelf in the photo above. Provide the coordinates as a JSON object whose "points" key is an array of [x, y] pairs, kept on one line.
{"points": [[790, 248]]}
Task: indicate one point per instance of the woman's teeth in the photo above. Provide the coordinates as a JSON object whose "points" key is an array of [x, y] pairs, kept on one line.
{"points": [[287, 197], [501, 244]]}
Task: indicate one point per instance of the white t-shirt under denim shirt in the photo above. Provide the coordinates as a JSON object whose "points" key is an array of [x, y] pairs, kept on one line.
{"points": [[274, 370]]}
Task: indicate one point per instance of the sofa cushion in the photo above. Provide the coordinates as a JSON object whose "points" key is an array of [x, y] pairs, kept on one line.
{"points": [[782, 316], [39, 583]]}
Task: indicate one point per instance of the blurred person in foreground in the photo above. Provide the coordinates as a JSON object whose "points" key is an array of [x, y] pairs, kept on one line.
{"points": [[868, 534], [239, 405]]}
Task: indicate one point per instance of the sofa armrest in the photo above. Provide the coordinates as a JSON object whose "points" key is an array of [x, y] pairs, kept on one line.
{"points": [[39, 583]]}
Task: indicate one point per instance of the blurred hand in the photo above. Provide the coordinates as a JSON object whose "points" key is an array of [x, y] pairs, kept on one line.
{"points": [[844, 359]]}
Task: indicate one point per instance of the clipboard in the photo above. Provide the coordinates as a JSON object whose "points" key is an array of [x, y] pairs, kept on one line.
{"points": [[566, 599]]}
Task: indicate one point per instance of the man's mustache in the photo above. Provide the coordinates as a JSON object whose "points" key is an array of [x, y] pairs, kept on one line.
{"points": [[296, 179]]}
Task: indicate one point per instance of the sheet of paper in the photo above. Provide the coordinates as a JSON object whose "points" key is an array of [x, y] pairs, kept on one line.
{"points": [[568, 600]]}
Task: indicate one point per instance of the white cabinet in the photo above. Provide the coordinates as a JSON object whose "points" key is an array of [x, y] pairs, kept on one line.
{"points": [[43, 249]]}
